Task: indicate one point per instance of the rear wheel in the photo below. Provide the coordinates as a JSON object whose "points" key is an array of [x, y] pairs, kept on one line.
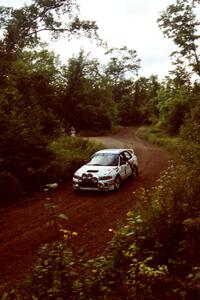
{"points": [[117, 183]]}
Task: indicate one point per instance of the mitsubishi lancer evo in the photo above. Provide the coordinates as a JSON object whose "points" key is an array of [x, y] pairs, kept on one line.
{"points": [[106, 170]]}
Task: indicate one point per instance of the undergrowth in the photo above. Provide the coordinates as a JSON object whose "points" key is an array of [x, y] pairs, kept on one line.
{"points": [[155, 136], [153, 256]]}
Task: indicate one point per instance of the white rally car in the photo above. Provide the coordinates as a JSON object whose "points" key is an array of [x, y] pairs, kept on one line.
{"points": [[106, 170]]}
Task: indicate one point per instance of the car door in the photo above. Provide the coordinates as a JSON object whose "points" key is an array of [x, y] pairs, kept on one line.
{"points": [[123, 166], [129, 166]]}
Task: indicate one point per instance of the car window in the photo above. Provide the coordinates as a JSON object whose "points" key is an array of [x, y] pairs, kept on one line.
{"points": [[104, 159], [123, 159]]}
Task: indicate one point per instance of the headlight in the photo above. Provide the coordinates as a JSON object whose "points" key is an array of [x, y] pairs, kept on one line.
{"points": [[105, 178], [84, 176], [94, 179]]}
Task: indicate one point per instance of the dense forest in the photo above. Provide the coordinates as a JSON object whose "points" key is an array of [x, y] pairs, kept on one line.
{"points": [[156, 254]]}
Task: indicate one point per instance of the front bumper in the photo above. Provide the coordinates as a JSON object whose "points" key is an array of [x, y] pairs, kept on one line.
{"points": [[89, 185]]}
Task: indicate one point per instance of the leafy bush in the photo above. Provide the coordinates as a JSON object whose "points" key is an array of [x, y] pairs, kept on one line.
{"points": [[95, 279], [55, 162], [156, 253], [68, 154], [54, 273], [173, 105], [155, 135]]}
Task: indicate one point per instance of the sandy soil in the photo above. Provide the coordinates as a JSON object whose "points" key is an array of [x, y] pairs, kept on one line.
{"points": [[91, 214]]}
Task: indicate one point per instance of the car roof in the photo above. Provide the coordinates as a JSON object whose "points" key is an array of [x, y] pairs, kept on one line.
{"points": [[113, 151]]}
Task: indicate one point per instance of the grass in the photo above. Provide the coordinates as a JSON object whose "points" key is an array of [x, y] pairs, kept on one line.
{"points": [[156, 136]]}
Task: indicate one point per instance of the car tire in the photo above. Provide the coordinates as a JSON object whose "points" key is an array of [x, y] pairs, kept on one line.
{"points": [[117, 183]]}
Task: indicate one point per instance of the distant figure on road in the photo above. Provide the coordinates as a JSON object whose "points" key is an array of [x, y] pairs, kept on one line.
{"points": [[72, 131]]}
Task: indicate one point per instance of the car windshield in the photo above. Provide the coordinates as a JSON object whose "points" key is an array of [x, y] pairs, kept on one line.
{"points": [[104, 159]]}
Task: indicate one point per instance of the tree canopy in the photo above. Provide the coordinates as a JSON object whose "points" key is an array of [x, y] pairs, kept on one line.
{"points": [[179, 22], [22, 27]]}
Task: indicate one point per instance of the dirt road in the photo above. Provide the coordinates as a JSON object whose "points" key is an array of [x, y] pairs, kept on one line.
{"points": [[91, 214]]}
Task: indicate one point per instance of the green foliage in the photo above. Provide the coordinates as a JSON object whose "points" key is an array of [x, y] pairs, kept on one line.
{"points": [[22, 142], [31, 86], [173, 106], [156, 136], [123, 64], [59, 274], [87, 95], [54, 274], [68, 154], [26, 120], [190, 128], [23, 25], [179, 22], [31, 116], [145, 109], [97, 279], [157, 250]]}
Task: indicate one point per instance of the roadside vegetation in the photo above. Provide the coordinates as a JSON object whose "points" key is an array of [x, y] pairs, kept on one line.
{"points": [[155, 254], [156, 136]]}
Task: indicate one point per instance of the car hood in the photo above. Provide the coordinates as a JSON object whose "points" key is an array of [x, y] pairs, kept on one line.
{"points": [[96, 171]]}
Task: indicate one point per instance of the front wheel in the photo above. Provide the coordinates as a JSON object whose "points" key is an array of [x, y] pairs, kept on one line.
{"points": [[117, 183]]}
